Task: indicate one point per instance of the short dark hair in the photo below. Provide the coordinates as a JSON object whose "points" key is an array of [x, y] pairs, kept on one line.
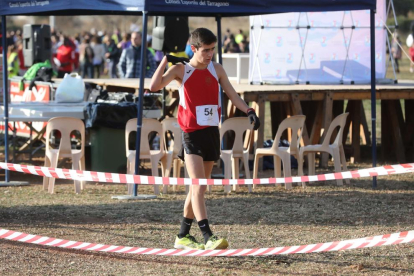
{"points": [[138, 33], [202, 36]]}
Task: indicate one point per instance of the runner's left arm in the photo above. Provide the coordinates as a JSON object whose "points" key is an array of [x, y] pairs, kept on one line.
{"points": [[235, 98], [229, 90]]}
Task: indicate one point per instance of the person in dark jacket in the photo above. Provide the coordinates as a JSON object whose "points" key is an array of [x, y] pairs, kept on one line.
{"points": [[86, 58], [112, 56]]}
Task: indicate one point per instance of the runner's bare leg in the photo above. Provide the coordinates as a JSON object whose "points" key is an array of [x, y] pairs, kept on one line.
{"points": [[195, 205]]}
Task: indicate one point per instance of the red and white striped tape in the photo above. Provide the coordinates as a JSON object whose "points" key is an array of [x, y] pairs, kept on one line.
{"points": [[151, 180], [389, 239]]}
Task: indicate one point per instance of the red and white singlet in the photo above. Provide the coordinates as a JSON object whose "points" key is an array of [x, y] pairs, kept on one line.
{"points": [[200, 103]]}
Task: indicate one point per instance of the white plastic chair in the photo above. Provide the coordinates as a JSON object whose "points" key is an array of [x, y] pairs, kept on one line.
{"points": [[65, 125], [282, 154], [148, 126], [171, 158], [336, 149], [231, 157]]}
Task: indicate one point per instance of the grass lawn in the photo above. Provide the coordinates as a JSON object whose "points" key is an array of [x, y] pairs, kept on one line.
{"points": [[269, 217]]}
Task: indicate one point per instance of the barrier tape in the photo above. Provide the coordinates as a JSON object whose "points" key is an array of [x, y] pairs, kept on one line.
{"points": [[375, 241], [151, 180]]}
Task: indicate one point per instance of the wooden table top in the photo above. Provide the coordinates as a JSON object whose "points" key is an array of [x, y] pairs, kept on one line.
{"points": [[404, 89]]}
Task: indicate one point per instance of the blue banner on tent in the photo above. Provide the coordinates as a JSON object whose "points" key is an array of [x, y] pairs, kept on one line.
{"points": [[177, 7], [248, 7], [15, 7]]}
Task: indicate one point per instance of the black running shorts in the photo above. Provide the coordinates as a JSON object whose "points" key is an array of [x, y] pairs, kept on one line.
{"points": [[204, 142]]}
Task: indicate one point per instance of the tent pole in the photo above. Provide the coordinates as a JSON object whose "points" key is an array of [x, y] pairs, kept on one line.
{"points": [[141, 94], [220, 60], [5, 96], [140, 109], [219, 42], [373, 97]]}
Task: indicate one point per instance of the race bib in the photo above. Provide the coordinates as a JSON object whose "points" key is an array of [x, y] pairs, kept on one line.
{"points": [[207, 115]]}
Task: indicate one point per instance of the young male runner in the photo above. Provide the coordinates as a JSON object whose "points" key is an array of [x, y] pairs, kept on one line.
{"points": [[198, 117]]}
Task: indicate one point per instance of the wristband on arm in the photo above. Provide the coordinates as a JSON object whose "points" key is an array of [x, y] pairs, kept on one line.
{"points": [[250, 110], [251, 114]]}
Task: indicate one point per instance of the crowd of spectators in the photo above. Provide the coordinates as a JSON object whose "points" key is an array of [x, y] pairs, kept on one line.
{"points": [[15, 62], [235, 43], [93, 54]]}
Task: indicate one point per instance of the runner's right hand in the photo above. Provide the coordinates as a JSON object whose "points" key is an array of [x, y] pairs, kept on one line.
{"points": [[174, 60]]}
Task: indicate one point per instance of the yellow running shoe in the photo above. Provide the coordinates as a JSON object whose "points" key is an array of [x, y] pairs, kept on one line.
{"points": [[216, 243], [188, 242]]}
